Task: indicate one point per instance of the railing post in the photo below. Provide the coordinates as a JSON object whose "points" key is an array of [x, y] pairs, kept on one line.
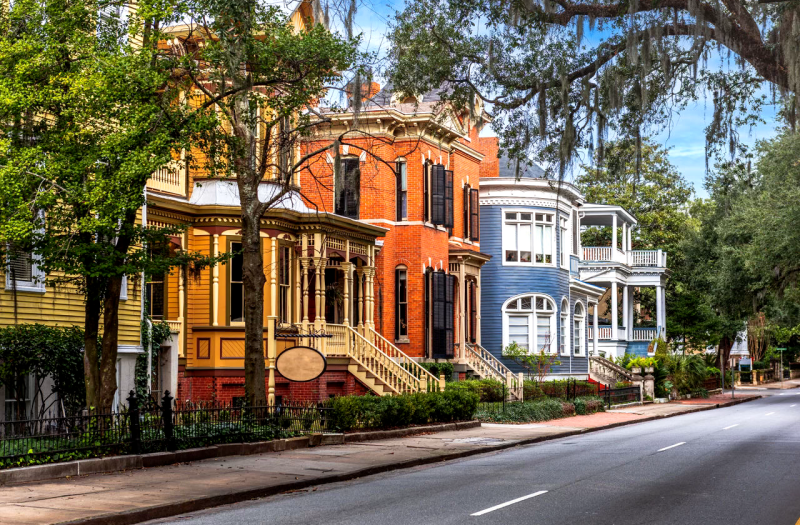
{"points": [[136, 429], [441, 382], [169, 424]]}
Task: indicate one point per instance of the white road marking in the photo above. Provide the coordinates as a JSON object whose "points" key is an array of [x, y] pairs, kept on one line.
{"points": [[781, 394], [726, 428], [672, 446], [507, 503], [790, 406], [769, 413]]}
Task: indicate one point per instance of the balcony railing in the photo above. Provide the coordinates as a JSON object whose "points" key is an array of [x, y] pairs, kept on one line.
{"points": [[170, 178], [644, 334], [652, 258], [604, 332]]}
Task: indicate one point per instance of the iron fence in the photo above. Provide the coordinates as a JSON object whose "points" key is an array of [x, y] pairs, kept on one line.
{"points": [[618, 396], [145, 426], [566, 390]]}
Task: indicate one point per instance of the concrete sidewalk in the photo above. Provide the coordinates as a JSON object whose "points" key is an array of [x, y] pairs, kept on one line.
{"points": [[139, 495]]}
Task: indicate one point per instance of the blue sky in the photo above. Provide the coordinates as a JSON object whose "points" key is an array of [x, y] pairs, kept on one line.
{"points": [[685, 138]]}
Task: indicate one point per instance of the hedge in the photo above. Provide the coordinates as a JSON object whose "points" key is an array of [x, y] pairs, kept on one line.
{"points": [[487, 390], [541, 410], [373, 412]]}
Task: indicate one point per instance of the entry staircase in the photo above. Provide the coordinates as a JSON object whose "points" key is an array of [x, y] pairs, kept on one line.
{"points": [[376, 362], [487, 366], [607, 372]]}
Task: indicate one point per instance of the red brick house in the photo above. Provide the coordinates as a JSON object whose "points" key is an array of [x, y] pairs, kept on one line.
{"points": [[413, 167]]}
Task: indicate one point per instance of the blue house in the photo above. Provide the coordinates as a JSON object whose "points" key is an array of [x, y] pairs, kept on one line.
{"points": [[544, 291]]}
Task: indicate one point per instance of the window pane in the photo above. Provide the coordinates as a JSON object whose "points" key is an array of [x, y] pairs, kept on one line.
{"points": [[537, 243], [237, 298], [539, 217], [525, 303], [512, 305], [525, 216], [539, 303], [511, 216], [518, 330], [525, 242], [547, 241], [510, 241], [543, 332]]}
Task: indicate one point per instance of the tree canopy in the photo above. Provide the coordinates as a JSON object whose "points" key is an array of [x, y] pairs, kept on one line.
{"points": [[560, 75]]}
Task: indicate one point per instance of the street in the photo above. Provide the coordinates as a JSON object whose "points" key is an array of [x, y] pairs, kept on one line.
{"points": [[739, 464]]}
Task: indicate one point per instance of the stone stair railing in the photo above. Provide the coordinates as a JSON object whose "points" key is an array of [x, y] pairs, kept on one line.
{"points": [[607, 372]]}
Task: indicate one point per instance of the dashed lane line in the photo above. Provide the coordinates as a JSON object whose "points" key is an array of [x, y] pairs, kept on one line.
{"points": [[507, 503]]}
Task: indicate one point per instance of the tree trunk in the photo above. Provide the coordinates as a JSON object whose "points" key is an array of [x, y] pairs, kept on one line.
{"points": [[108, 360], [253, 279], [91, 320], [725, 346]]}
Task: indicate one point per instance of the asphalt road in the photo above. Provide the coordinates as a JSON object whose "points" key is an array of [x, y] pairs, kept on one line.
{"points": [[732, 465]]}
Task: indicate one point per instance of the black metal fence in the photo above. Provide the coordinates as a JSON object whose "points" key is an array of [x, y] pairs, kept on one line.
{"points": [[566, 390], [619, 396], [147, 426]]}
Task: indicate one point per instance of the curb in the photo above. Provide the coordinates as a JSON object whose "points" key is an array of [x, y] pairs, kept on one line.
{"points": [[173, 509]]}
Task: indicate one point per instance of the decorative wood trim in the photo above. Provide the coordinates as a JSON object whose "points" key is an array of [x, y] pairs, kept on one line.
{"points": [[207, 353]]}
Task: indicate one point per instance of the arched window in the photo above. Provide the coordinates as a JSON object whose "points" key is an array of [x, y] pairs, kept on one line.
{"points": [[564, 332], [529, 321], [579, 333]]}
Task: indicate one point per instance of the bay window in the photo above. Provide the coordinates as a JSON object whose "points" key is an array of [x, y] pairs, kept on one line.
{"points": [[528, 237]]}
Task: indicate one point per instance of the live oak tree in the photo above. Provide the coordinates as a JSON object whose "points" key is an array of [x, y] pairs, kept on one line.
{"points": [[87, 117], [561, 74], [262, 80]]}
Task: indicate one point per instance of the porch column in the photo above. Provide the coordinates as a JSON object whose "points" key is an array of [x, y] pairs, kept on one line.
{"points": [[613, 235], [298, 290], [369, 320], [478, 309], [321, 263], [272, 320], [596, 330], [624, 236], [215, 284], [614, 312], [630, 237], [462, 304], [630, 313], [625, 311], [304, 264], [360, 288], [659, 308], [346, 267]]}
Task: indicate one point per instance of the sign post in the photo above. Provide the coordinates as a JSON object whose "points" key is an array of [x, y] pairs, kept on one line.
{"points": [[781, 350]]}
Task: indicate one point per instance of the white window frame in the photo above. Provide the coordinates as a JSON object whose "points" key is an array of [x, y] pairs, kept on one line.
{"points": [[35, 285], [533, 314], [533, 222], [564, 333], [564, 251], [580, 337]]}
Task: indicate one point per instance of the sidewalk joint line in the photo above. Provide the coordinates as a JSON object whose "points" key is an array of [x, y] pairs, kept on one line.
{"points": [[671, 446], [507, 503]]}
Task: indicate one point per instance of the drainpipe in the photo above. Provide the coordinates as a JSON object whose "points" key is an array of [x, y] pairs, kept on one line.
{"points": [[141, 308]]}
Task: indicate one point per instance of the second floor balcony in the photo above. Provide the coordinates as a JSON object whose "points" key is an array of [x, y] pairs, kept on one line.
{"points": [[646, 258]]}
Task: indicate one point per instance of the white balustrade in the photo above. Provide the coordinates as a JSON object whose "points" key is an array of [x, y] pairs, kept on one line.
{"points": [[597, 253], [644, 334], [170, 178]]}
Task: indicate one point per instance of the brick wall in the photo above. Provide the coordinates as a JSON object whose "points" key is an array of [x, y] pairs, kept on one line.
{"points": [[489, 146], [409, 243], [224, 389]]}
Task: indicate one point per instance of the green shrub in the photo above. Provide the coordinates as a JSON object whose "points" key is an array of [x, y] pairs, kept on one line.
{"points": [[438, 369], [540, 410], [487, 390], [352, 412], [531, 390]]}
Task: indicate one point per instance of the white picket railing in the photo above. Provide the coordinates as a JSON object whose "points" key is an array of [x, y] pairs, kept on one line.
{"points": [[648, 258], [170, 178], [426, 381], [604, 332], [597, 253], [644, 334]]}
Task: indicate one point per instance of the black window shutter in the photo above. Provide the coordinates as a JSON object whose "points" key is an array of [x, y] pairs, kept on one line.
{"points": [[439, 324], [427, 312], [437, 194], [473, 314], [450, 290], [448, 199], [475, 216], [353, 185], [466, 212], [398, 192], [425, 192]]}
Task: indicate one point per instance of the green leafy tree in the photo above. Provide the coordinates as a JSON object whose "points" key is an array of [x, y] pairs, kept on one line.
{"points": [[536, 364], [262, 79], [88, 113]]}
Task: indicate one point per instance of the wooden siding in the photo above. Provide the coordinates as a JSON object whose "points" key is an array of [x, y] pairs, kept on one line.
{"points": [[63, 305], [499, 283]]}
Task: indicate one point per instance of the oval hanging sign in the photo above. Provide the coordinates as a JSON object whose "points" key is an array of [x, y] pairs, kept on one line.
{"points": [[301, 364]]}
